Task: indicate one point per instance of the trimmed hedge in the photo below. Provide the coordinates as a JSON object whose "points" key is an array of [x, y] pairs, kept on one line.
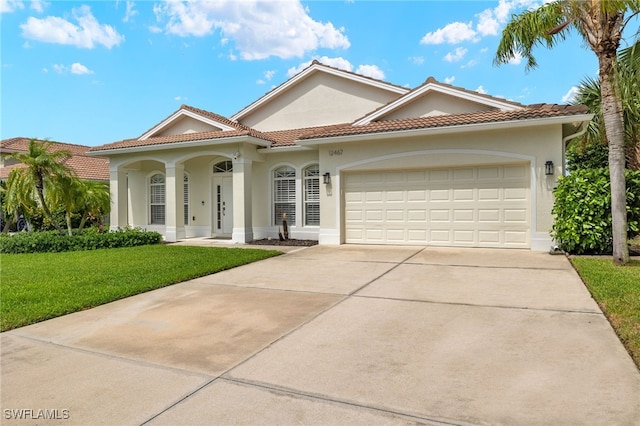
{"points": [[582, 210], [89, 239]]}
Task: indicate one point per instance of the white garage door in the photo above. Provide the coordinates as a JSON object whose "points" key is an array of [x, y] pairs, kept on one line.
{"points": [[484, 206]]}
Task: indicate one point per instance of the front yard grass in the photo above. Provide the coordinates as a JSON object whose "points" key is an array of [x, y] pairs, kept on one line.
{"points": [[617, 291], [36, 287]]}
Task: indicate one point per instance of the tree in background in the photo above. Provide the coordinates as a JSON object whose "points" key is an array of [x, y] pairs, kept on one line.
{"points": [[600, 23], [42, 169]]}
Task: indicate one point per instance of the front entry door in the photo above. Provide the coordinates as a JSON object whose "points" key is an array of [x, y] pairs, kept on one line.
{"points": [[223, 206]]}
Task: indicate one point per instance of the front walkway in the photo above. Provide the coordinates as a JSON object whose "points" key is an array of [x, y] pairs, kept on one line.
{"points": [[335, 335]]}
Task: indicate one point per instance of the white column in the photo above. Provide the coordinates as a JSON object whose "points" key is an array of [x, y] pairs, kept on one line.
{"points": [[242, 199], [174, 187], [118, 190]]}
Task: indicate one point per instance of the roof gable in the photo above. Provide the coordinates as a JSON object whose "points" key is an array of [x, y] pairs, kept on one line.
{"points": [[319, 95], [435, 98], [189, 120]]}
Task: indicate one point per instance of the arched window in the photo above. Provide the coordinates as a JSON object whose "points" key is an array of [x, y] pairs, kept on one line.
{"points": [[223, 167], [284, 195], [157, 199], [186, 199], [312, 195]]}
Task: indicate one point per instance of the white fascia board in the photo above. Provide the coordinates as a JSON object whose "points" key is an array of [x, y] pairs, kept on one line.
{"points": [[283, 149], [465, 128], [504, 106], [174, 145], [182, 113], [302, 75]]}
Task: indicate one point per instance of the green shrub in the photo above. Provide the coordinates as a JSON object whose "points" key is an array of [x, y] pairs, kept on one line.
{"points": [[582, 210], [89, 239]]}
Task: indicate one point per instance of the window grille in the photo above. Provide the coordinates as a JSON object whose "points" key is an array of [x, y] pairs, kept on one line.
{"points": [[312, 196], [223, 167], [157, 199], [186, 199], [284, 195]]}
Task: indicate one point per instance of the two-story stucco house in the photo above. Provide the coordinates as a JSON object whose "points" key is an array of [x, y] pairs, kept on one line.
{"points": [[352, 160]]}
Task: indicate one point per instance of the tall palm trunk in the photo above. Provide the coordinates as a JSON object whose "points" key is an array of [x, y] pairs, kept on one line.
{"points": [[614, 127], [43, 203]]}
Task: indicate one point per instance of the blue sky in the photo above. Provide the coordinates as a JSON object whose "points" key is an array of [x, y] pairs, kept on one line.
{"points": [[95, 72]]}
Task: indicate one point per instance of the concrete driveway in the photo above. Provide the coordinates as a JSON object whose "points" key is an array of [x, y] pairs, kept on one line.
{"points": [[335, 335]]}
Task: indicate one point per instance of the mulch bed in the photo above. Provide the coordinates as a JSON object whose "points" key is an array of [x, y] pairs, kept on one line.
{"points": [[289, 242]]}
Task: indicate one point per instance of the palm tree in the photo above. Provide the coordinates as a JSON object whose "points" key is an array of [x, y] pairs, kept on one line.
{"points": [[66, 192], [41, 169], [592, 145], [601, 24], [96, 201]]}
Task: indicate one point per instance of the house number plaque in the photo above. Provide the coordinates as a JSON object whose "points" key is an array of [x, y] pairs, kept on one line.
{"points": [[333, 152]]}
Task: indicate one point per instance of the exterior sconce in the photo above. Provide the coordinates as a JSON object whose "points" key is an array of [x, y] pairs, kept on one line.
{"points": [[326, 178], [548, 168]]}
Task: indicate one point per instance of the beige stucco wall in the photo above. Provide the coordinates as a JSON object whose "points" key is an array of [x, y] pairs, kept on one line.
{"points": [[434, 103], [319, 100], [186, 125]]}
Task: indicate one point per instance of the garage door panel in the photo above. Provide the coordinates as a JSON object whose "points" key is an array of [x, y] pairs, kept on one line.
{"points": [[484, 206]]}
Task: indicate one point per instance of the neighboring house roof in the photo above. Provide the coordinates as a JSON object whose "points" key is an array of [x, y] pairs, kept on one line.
{"points": [[85, 167]]}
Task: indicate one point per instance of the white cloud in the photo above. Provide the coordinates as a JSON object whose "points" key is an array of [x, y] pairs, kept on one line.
{"points": [[417, 60], [481, 90], [370, 71], [453, 33], [131, 12], [570, 96], [87, 34], [75, 68], [472, 63], [340, 63], [456, 55], [45, 70], [258, 29], [517, 58], [180, 98], [154, 29], [449, 80], [79, 69], [269, 74], [8, 6], [38, 5]]}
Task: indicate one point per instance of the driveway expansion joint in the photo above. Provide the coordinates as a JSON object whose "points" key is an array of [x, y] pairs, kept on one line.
{"points": [[294, 392], [475, 305]]}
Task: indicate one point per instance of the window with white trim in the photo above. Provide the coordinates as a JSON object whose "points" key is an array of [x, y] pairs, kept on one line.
{"points": [[312, 195], [157, 199], [284, 195], [186, 199], [223, 167]]}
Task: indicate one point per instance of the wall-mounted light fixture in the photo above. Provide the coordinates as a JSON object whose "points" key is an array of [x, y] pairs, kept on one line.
{"points": [[548, 168], [203, 202], [326, 178]]}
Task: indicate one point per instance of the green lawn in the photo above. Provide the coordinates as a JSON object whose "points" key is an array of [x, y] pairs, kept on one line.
{"points": [[617, 291], [36, 287]]}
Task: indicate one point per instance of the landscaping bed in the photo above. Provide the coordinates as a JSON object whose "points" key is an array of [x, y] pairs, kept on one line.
{"points": [[289, 242]]}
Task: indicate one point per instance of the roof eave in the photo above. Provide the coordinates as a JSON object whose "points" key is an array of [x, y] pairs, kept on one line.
{"points": [[175, 145], [464, 128]]}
